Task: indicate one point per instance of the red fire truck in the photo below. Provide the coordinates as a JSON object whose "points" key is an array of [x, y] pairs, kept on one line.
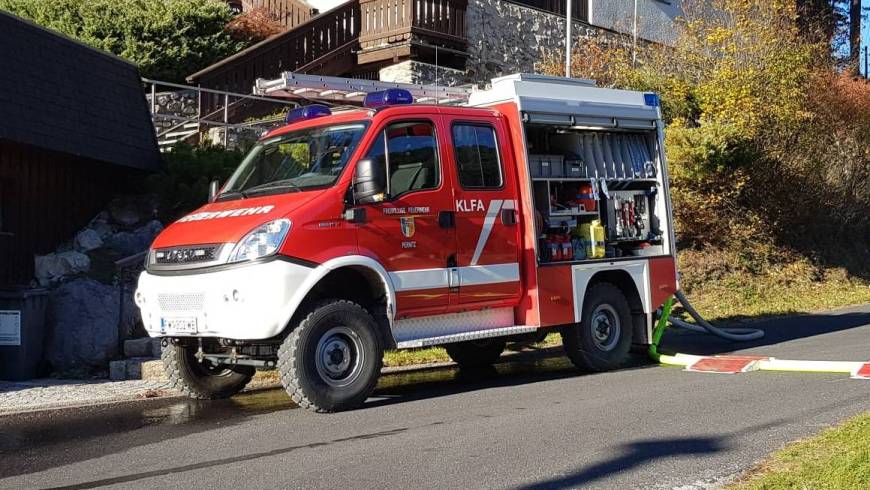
{"points": [[538, 204]]}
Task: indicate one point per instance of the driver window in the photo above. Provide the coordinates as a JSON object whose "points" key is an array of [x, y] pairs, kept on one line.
{"points": [[410, 152]]}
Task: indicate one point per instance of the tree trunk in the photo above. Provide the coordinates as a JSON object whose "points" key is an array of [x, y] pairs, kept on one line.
{"points": [[855, 36]]}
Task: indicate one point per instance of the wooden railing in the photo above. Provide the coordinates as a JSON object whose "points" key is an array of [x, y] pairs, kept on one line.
{"points": [[386, 22], [297, 49], [288, 13], [579, 8]]}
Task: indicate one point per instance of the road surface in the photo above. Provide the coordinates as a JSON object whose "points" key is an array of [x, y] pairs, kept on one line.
{"points": [[523, 425]]}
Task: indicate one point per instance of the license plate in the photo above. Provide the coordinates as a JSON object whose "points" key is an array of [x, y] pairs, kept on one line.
{"points": [[178, 325]]}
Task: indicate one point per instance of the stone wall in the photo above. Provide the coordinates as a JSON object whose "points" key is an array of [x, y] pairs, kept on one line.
{"points": [[182, 103], [423, 73], [505, 38], [655, 18]]}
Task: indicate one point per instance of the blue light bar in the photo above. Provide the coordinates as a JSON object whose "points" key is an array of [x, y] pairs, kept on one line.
{"points": [[651, 100], [307, 112], [392, 96]]}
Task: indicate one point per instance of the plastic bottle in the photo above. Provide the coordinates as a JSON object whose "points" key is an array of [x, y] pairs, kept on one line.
{"points": [[555, 249], [567, 248], [597, 238], [593, 235]]}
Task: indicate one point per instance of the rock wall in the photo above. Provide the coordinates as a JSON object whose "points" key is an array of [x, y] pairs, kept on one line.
{"points": [[417, 72], [85, 316], [655, 19], [505, 38], [182, 103]]}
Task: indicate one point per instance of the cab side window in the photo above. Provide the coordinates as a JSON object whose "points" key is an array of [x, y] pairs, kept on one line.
{"points": [[477, 159], [410, 152]]}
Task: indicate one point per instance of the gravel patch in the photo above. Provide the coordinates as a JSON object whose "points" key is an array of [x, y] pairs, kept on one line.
{"points": [[42, 394]]}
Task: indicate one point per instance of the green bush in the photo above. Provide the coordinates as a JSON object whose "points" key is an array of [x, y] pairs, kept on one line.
{"points": [[167, 39], [182, 186]]}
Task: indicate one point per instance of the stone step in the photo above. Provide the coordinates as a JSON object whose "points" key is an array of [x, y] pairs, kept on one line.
{"points": [[152, 370], [142, 347], [135, 368]]}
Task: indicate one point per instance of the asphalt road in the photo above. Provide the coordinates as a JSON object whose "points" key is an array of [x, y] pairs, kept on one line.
{"points": [[523, 425]]}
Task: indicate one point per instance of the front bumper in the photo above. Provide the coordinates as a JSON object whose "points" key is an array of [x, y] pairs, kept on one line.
{"points": [[248, 302]]}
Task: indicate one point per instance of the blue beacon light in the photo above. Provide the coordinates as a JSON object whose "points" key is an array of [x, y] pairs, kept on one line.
{"points": [[393, 96], [651, 100], [307, 112]]}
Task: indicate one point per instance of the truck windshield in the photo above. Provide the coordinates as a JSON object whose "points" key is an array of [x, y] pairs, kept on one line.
{"points": [[296, 161]]}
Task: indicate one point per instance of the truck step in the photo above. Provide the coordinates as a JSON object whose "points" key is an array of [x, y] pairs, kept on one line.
{"points": [[464, 336]]}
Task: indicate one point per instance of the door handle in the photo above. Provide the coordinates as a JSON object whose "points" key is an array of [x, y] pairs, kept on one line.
{"points": [[509, 217], [447, 219], [355, 215]]}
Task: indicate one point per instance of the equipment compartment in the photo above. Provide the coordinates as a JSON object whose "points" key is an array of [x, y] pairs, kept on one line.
{"points": [[596, 193]]}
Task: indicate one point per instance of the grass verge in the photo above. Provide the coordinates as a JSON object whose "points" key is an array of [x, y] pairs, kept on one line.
{"points": [[720, 289], [838, 458]]}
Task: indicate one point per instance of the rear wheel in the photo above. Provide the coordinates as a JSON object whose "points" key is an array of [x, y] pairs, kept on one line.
{"points": [[332, 359], [475, 353], [602, 340], [202, 380]]}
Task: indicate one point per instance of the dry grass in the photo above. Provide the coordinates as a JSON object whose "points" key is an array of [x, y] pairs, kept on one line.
{"points": [[720, 289]]}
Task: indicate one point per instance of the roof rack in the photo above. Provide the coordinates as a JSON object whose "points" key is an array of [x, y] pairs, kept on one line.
{"points": [[350, 90]]}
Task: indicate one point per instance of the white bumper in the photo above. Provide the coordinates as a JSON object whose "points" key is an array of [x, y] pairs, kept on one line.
{"points": [[246, 303]]}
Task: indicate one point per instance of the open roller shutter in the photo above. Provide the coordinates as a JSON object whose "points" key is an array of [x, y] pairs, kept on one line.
{"points": [[614, 155]]}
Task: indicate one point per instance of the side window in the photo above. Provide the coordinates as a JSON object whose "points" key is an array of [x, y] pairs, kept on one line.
{"points": [[477, 159], [411, 156]]}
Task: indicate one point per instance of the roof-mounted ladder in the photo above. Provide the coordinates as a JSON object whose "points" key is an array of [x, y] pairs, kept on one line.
{"points": [[353, 90]]}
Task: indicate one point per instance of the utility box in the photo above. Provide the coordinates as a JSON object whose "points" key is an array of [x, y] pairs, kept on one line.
{"points": [[22, 332]]}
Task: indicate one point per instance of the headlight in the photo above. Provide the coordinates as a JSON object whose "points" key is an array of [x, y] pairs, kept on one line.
{"points": [[262, 241]]}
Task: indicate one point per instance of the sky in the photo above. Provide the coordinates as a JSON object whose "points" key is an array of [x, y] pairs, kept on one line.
{"points": [[865, 34]]}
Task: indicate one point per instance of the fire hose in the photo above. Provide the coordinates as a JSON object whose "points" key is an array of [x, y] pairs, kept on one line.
{"points": [[703, 326]]}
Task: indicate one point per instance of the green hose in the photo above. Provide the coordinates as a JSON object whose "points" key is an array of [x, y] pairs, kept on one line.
{"points": [[661, 326], [733, 334]]}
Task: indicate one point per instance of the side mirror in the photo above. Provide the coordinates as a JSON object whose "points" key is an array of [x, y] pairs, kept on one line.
{"points": [[213, 188], [369, 182]]}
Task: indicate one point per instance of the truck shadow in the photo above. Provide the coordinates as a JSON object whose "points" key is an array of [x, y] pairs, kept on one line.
{"points": [[776, 330], [550, 363], [519, 370]]}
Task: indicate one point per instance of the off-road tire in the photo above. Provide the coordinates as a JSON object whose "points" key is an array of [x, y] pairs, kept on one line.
{"points": [[579, 339], [475, 353], [192, 378], [297, 357]]}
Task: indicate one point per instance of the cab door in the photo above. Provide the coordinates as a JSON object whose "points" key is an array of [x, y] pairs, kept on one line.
{"points": [[485, 206], [403, 232]]}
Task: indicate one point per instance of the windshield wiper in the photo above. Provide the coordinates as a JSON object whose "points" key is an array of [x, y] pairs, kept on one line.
{"points": [[229, 196], [278, 185]]}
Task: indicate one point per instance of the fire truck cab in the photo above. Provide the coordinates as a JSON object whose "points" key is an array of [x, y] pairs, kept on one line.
{"points": [[539, 204]]}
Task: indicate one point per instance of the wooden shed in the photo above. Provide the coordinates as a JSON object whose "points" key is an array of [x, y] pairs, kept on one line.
{"points": [[74, 126]]}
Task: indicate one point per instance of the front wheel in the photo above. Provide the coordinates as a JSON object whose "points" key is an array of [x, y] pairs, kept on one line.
{"points": [[332, 359], [202, 380], [602, 339]]}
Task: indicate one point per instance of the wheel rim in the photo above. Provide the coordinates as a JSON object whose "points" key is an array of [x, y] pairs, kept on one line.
{"points": [[605, 326], [339, 356]]}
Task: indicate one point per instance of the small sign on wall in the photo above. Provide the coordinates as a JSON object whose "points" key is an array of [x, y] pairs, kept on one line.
{"points": [[10, 327]]}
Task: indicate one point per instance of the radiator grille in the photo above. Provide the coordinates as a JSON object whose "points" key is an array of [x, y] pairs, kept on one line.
{"points": [[181, 302]]}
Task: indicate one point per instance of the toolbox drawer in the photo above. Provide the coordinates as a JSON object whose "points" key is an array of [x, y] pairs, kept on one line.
{"points": [[547, 165]]}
